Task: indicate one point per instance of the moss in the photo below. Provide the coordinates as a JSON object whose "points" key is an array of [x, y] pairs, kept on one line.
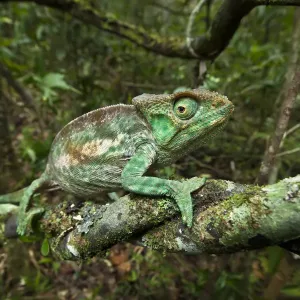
{"points": [[166, 238], [239, 213], [59, 219]]}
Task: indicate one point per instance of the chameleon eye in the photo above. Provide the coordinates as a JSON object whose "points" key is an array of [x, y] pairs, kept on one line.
{"points": [[185, 108]]}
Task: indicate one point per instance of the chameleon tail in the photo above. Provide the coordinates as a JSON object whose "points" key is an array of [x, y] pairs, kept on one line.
{"points": [[16, 197], [13, 198]]}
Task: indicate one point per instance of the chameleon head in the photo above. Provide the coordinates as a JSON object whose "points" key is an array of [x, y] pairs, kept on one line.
{"points": [[185, 119]]}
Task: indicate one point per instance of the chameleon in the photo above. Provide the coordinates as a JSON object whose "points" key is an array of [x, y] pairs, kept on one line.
{"points": [[112, 148]]}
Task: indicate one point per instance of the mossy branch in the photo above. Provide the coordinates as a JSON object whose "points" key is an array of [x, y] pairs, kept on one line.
{"points": [[206, 46], [228, 217]]}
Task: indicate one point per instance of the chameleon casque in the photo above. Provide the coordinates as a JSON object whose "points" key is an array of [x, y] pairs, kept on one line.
{"points": [[112, 147]]}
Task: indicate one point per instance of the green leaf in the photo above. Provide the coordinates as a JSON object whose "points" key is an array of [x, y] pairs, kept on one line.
{"points": [[293, 291], [274, 257], [50, 82], [6, 20], [45, 249], [56, 80], [31, 153]]}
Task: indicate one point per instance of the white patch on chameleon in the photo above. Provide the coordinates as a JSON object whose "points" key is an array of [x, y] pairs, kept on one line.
{"points": [[64, 161], [93, 148], [99, 147]]}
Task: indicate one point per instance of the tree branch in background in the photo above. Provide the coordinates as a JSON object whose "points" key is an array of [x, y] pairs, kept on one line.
{"points": [[228, 217], [290, 90], [189, 26], [22, 92], [207, 46]]}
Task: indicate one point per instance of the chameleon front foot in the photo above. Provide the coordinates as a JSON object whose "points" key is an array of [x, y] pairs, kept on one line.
{"points": [[25, 220], [184, 199]]}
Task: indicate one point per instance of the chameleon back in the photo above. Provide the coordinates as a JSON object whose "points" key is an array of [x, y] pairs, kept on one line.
{"points": [[88, 154]]}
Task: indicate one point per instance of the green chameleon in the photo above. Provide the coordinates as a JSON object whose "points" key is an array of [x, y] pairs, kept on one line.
{"points": [[112, 148]]}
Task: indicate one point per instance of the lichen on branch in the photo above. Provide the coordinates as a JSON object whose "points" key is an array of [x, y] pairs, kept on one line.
{"points": [[228, 217]]}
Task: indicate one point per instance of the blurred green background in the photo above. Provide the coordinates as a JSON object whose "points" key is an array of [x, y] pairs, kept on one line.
{"points": [[70, 68]]}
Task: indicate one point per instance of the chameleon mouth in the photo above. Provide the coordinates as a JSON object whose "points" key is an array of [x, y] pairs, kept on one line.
{"points": [[223, 114]]}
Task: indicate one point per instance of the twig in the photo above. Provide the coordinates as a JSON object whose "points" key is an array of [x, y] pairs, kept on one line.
{"points": [[291, 130], [23, 93], [288, 152], [189, 27], [220, 173]]}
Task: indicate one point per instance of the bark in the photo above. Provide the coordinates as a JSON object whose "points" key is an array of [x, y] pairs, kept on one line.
{"points": [[206, 46], [228, 217]]}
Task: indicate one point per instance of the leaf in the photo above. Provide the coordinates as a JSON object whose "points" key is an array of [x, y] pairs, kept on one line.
{"points": [[6, 20], [56, 80], [52, 81], [31, 153], [293, 291], [8, 62], [45, 249], [4, 42], [274, 256]]}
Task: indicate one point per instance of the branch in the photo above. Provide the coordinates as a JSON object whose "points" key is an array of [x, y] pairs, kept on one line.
{"points": [[228, 217], [290, 90], [288, 152], [189, 26], [206, 46], [23, 93]]}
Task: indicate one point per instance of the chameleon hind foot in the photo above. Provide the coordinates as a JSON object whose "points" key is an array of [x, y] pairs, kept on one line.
{"points": [[184, 198], [25, 220]]}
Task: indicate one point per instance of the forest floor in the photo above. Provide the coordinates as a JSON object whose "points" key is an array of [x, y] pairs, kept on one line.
{"points": [[133, 272]]}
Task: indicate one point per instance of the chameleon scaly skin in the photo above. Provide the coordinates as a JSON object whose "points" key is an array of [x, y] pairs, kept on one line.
{"points": [[112, 148]]}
